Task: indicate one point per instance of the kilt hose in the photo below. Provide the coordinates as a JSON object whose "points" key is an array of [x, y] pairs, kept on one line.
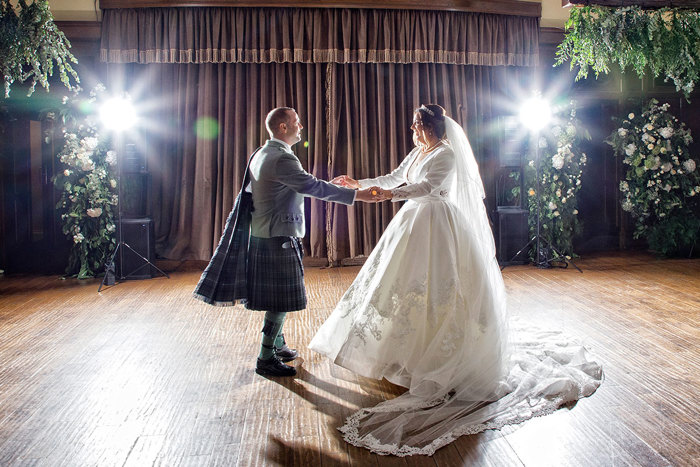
{"points": [[275, 274]]}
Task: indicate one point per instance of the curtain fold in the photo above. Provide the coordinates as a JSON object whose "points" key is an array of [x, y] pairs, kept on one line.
{"points": [[316, 35], [371, 110], [200, 124]]}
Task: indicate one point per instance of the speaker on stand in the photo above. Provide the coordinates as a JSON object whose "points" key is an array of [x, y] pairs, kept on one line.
{"points": [[511, 210]]}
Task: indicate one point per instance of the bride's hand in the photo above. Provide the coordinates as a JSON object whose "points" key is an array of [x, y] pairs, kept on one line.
{"points": [[344, 180]]}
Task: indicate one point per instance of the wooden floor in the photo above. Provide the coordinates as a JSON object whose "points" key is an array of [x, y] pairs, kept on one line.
{"points": [[143, 374]]}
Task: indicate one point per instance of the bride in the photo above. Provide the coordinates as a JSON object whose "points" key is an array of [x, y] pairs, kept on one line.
{"points": [[427, 311]]}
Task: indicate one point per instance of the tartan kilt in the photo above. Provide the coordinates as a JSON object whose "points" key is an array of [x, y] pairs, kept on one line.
{"points": [[275, 274]]}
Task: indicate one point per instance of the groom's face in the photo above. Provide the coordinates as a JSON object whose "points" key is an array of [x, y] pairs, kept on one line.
{"points": [[292, 128]]}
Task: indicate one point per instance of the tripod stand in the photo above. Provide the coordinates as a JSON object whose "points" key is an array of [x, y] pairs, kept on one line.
{"points": [[543, 247], [110, 268]]}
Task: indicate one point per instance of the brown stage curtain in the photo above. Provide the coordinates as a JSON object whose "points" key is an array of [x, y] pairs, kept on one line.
{"points": [[199, 125], [371, 108], [317, 35]]}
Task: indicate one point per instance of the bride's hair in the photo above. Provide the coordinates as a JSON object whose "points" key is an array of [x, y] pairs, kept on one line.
{"points": [[433, 116]]}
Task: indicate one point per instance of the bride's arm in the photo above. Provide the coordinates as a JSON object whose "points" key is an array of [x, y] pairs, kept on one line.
{"points": [[391, 180], [439, 169]]}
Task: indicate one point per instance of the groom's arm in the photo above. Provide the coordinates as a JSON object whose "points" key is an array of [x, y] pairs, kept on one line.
{"points": [[290, 173]]}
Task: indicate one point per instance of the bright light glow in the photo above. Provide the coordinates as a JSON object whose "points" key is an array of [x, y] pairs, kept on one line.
{"points": [[118, 114], [535, 113]]}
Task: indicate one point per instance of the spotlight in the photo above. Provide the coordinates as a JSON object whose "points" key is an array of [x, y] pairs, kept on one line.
{"points": [[535, 113], [118, 114]]}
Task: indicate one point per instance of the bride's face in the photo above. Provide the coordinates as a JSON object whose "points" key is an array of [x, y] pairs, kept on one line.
{"points": [[418, 130]]}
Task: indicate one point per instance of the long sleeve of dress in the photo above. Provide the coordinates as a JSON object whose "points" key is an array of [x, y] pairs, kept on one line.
{"points": [[438, 169], [391, 180]]}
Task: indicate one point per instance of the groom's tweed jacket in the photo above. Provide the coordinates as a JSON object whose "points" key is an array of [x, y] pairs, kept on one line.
{"points": [[274, 209], [279, 185]]}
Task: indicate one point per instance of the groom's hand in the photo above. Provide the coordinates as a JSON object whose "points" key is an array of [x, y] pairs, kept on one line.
{"points": [[344, 180], [370, 195]]}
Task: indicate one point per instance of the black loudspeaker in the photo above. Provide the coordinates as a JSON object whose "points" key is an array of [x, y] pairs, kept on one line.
{"points": [[512, 234], [138, 234]]}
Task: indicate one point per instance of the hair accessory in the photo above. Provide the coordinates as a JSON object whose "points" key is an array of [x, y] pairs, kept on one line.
{"points": [[427, 110]]}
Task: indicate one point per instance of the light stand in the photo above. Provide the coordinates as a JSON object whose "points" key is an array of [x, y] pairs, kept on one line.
{"points": [[535, 114], [110, 267]]}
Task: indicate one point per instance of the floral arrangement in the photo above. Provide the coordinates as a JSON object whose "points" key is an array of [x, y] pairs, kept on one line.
{"points": [[662, 40], [560, 169], [31, 44], [88, 186], [661, 189]]}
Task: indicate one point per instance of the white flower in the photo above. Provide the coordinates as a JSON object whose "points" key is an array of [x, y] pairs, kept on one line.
{"points": [[531, 163], [667, 187], [552, 206], [556, 131], [626, 205], [558, 192], [666, 132], [111, 158], [111, 228], [113, 183], [650, 146], [666, 166], [556, 213], [689, 165], [557, 161], [622, 132], [90, 142], [578, 182], [630, 116], [563, 200], [555, 177], [662, 150], [575, 211], [630, 149], [66, 172], [673, 172], [543, 142], [77, 238], [624, 186], [94, 212], [648, 127], [570, 130]]}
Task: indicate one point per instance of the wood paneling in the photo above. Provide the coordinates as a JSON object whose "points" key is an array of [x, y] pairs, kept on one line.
{"points": [[508, 7], [143, 374]]}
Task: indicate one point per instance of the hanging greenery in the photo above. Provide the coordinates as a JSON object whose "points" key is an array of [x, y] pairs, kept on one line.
{"points": [[31, 44], [661, 188], [664, 41], [88, 186]]}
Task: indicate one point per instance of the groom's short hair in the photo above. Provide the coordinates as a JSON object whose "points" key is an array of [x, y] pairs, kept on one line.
{"points": [[276, 117]]}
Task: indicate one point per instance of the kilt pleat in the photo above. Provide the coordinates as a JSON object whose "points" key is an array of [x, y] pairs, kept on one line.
{"points": [[275, 274]]}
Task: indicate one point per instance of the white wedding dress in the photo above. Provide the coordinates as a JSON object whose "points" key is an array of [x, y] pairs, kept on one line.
{"points": [[427, 312]]}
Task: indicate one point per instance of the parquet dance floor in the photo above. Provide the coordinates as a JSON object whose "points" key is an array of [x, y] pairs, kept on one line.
{"points": [[143, 374]]}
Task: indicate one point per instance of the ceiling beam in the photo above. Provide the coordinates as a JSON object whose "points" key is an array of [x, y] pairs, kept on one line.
{"points": [[501, 7]]}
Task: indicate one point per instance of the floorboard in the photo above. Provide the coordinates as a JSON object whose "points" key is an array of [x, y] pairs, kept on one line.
{"points": [[143, 374]]}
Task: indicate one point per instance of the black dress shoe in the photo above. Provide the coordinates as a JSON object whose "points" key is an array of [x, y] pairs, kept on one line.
{"points": [[284, 353], [274, 367]]}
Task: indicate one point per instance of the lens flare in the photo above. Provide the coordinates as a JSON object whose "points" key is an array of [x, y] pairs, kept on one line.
{"points": [[306, 144], [118, 114], [535, 113], [206, 128]]}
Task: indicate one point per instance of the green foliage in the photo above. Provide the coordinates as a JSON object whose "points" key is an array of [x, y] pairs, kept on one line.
{"points": [[88, 187], [665, 41], [661, 189], [561, 166], [30, 45]]}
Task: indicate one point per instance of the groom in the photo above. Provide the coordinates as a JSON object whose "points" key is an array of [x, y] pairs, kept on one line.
{"points": [[275, 274]]}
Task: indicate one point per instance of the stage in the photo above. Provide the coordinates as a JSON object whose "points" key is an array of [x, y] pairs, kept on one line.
{"points": [[144, 374]]}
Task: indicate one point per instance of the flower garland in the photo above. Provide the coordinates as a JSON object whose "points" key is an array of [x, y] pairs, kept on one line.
{"points": [[88, 187], [663, 40], [30, 43], [661, 189], [561, 166]]}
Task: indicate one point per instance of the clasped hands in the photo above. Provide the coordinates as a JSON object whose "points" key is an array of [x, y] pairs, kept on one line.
{"points": [[372, 194]]}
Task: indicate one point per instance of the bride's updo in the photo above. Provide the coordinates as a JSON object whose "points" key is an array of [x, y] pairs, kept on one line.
{"points": [[433, 117]]}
